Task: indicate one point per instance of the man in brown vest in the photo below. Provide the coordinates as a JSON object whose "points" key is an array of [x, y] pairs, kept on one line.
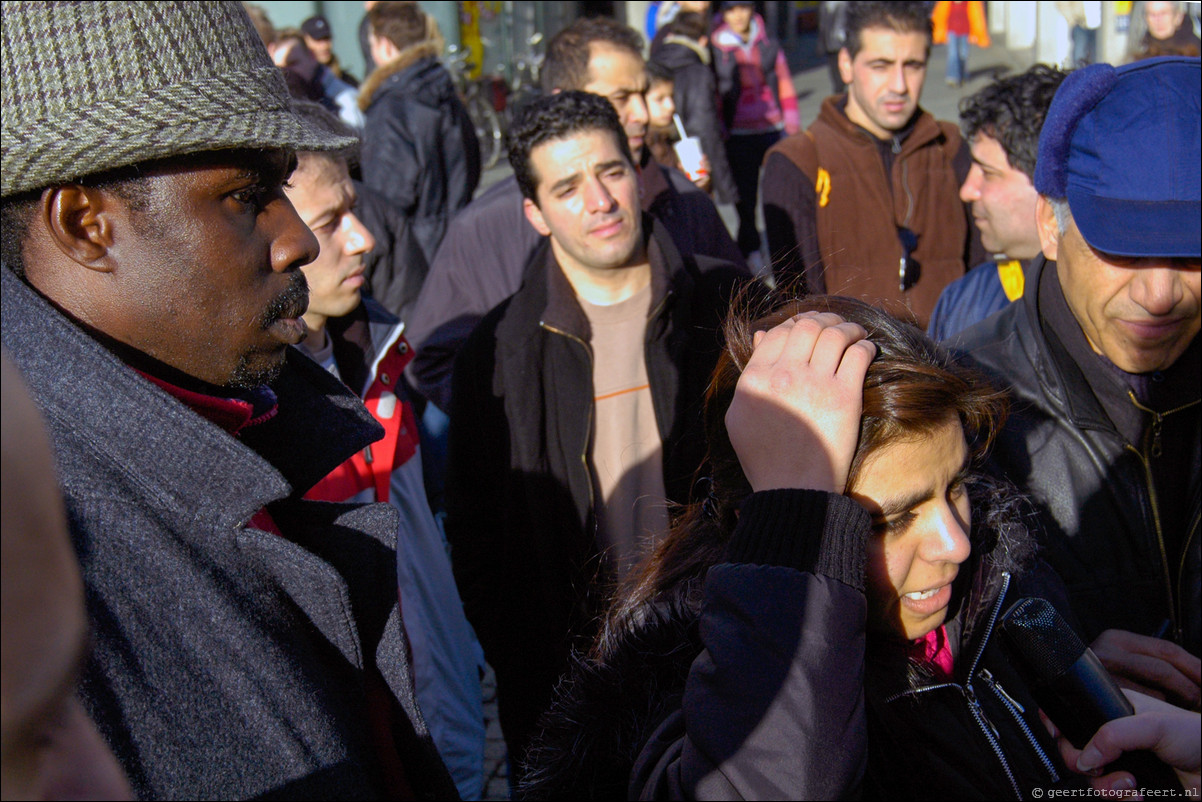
{"points": [[866, 201]]}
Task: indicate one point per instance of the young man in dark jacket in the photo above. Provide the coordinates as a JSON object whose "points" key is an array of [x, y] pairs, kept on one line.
{"points": [[246, 642], [489, 244], [420, 148], [362, 344], [1101, 354], [575, 414]]}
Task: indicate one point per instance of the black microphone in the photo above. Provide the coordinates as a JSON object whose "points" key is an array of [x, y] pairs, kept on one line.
{"points": [[1072, 686]]}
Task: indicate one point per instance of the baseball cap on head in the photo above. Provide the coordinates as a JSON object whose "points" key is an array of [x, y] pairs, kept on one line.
{"points": [[1124, 146], [316, 28], [91, 87]]}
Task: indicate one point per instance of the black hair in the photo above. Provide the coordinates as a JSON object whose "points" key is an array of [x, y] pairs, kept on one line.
{"points": [[659, 74], [1012, 110], [899, 17], [16, 213], [566, 63], [558, 116], [690, 25]]}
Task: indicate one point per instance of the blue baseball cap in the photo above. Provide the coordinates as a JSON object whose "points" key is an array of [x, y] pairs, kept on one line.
{"points": [[1124, 146]]}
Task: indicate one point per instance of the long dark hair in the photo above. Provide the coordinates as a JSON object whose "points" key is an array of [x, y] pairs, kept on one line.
{"points": [[912, 388]]}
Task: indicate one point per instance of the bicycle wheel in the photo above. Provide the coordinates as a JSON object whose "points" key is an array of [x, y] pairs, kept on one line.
{"points": [[488, 130]]}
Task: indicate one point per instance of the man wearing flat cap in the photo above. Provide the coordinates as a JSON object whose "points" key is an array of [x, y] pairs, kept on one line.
{"points": [[245, 641], [1101, 354]]}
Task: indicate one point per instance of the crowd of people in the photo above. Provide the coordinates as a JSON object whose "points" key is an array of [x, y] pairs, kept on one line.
{"points": [[300, 431]]}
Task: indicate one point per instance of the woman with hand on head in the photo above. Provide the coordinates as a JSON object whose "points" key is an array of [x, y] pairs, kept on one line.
{"points": [[821, 624]]}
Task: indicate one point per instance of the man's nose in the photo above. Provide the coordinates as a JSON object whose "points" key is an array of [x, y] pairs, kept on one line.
{"points": [[897, 80], [597, 197], [1158, 288], [358, 238], [292, 244], [636, 110], [971, 189]]}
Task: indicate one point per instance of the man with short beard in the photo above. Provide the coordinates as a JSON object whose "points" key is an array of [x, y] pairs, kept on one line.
{"points": [[245, 641]]}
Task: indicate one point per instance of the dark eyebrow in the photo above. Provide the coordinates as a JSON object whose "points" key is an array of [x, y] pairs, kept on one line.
{"points": [[611, 164], [565, 182], [899, 505]]}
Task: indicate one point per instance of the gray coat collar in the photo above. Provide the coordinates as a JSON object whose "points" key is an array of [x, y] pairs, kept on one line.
{"points": [[123, 418]]}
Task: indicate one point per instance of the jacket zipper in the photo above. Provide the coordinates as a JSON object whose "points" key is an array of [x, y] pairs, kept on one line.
{"points": [[974, 706], [1016, 710], [588, 426], [1152, 443]]}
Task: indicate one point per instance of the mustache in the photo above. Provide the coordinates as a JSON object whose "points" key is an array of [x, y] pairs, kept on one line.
{"points": [[291, 303]]}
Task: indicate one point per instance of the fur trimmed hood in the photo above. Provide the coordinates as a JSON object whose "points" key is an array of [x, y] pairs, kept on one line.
{"points": [[608, 705], [403, 61]]}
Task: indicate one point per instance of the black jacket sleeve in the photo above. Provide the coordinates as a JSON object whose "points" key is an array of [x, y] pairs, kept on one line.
{"points": [[697, 100], [773, 707], [791, 225]]}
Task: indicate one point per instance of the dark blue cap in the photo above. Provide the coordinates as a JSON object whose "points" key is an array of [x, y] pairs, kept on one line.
{"points": [[316, 27], [1124, 146]]}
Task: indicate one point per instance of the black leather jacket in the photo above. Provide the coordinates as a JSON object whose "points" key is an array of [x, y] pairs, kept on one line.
{"points": [[1094, 489]]}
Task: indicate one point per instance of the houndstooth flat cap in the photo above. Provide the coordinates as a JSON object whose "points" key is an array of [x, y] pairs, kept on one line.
{"points": [[87, 87]]}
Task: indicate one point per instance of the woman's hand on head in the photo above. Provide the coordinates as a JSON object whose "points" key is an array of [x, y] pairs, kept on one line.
{"points": [[795, 416]]}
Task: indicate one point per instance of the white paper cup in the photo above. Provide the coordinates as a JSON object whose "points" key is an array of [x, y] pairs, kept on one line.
{"points": [[688, 150]]}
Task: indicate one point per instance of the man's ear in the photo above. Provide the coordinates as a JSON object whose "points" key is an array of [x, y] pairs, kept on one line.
{"points": [[535, 216], [1049, 229], [845, 65], [80, 222]]}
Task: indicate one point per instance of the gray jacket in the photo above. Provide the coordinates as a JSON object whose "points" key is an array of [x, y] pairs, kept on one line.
{"points": [[227, 661]]}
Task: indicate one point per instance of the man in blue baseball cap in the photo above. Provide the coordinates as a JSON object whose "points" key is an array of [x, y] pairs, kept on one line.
{"points": [[1102, 356]]}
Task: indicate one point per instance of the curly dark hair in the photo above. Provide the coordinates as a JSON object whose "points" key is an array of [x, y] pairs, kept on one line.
{"points": [[899, 17], [566, 63], [1011, 110], [558, 116]]}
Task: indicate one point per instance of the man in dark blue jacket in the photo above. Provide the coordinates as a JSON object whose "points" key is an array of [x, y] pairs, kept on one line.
{"points": [[1002, 124]]}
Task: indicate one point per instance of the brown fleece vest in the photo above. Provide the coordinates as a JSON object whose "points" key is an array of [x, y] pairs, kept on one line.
{"points": [[858, 209]]}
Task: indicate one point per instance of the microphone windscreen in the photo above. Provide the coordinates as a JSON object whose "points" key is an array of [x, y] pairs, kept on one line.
{"points": [[1042, 637]]}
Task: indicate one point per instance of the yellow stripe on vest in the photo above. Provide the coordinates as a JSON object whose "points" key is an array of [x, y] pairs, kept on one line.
{"points": [[1011, 275], [823, 187]]}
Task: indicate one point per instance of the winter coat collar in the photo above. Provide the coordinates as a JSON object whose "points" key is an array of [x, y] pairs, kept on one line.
{"points": [[403, 61], [923, 129], [270, 461], [548, 297], [703, 53]]}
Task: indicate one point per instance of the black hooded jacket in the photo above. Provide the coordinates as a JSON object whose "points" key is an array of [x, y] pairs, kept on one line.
{"points": [[646, 719], [419, 145]]}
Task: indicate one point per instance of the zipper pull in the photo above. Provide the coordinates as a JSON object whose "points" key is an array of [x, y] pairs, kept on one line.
{"points": [[1000, 691], [1157, 429], [367, 455], [896, 145]]}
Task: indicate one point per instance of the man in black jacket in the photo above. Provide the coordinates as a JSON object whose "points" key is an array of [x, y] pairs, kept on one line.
{"points": [[419, 146], [575, 413], [488, 245], [1102, 355], [245, 642]]}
